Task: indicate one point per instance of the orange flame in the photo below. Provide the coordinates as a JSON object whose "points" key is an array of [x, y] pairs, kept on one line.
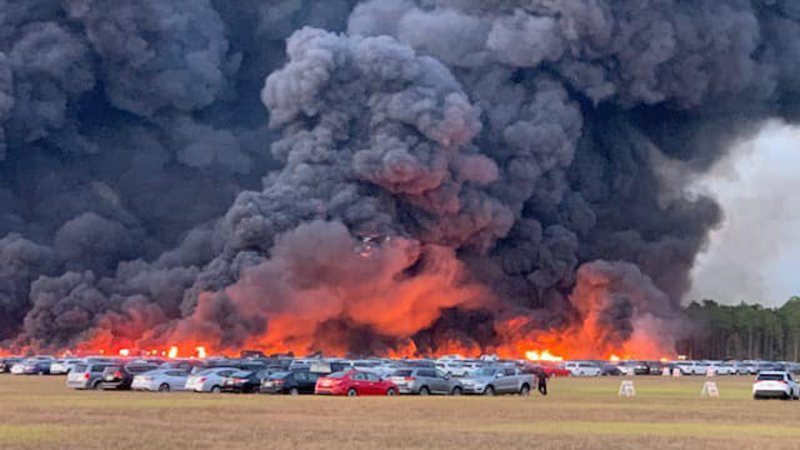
{"points": [[173, 352], [544, 355]]}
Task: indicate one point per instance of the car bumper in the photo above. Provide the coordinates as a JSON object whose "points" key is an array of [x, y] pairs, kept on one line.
{"points": [[771, 394], [114, 385], [473, 390], [329, 391], [78, 384], [143, 386]]}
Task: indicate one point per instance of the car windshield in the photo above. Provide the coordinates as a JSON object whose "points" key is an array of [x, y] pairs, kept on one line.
{"points": [[79, 368], [279, 375], [242, 374], [485, 372], [336, 375], [402, 373], [770, 377]]}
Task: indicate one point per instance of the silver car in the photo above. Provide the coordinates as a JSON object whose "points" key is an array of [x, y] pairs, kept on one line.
{"points": [[86, 376], [161, 380], [498, 380], [425, 381], [209, 380]]}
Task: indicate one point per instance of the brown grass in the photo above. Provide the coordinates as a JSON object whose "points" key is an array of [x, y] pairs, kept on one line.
{"points": [[40, 413]]}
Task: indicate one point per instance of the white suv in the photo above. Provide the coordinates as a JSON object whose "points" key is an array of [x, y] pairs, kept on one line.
{"points": [[693, 367], [776, 384], [583, 369]]}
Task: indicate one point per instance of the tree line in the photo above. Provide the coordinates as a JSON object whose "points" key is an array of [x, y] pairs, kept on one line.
{"points": [[743, 331]]}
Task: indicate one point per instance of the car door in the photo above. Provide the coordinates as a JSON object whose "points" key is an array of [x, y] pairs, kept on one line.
{"points": [[307, 385], [372, 382], [795, 388], [176, 380], [359, 380], [442, 382]]}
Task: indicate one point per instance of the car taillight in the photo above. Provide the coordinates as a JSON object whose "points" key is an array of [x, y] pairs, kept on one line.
{"points": [[117, 374], [202, 379], [86, 376], [279, 381], [410, 379]]}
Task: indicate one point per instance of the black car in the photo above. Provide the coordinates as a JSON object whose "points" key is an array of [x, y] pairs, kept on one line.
{"points": [[121, 377], [292, 383], [611, 370], [7, 363], [244, 381]]}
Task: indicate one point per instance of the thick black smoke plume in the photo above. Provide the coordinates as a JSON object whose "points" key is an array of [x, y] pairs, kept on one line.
{"points": [[488, 149]]}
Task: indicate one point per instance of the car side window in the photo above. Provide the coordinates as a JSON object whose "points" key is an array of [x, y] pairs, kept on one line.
{"points": [[359, 377], [300, 376], [440, 374], [372, 377], [508, 372]]}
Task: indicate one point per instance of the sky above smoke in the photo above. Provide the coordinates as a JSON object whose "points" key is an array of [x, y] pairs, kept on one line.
{"points": [[362, 176], [753, 255]]}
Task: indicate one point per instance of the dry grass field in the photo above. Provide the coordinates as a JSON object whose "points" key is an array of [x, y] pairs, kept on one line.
{"points": [[40, 413]]}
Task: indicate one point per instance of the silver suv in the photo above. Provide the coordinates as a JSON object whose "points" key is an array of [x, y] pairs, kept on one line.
{"points": [[425, 381], [86, 376]]}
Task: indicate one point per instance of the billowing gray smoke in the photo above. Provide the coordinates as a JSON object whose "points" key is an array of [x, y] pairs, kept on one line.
{"points": [[487, 148]]}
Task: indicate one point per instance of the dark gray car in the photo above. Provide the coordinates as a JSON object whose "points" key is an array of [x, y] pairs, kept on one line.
{"points": [[425, 381]]}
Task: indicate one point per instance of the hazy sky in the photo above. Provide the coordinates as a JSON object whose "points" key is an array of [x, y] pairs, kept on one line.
{"points": [[755, 255]]}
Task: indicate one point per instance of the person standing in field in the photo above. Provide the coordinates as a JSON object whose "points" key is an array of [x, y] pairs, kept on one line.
{"points": [[541, 377]]}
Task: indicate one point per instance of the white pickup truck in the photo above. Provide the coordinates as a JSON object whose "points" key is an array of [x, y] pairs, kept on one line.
{"points": [[497, 380]]}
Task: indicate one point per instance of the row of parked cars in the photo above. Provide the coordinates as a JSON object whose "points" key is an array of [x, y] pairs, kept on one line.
{"points": [[599, 368], [287, 375]]}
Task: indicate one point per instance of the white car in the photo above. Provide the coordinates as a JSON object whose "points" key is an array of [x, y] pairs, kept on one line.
{"points": [[161, 380], [583, 369], [725, 369], [63, 367], [18, 368], [209, 380], [776, 384], [693, 367]]}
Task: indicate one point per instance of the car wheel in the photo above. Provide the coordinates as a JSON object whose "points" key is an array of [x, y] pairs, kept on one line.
{"points": [[391, 392], [489, 391], [96, 385], [525, 391], [456, 391], [163, 388], [294, 391], [352, 392], [424, 391], [216, 390]]}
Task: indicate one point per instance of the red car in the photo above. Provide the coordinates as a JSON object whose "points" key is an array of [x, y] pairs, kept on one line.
{"points": [[354, 382], [556, 370]]}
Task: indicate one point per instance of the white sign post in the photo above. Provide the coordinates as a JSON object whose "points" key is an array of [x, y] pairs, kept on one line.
{"points": [[626, 389], [676, 372], [710, 389], [665, 372], [711, 371]]}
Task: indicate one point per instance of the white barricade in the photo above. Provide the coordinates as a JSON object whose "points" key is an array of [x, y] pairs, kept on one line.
{"points": [[709, 389], [626, 389]]}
